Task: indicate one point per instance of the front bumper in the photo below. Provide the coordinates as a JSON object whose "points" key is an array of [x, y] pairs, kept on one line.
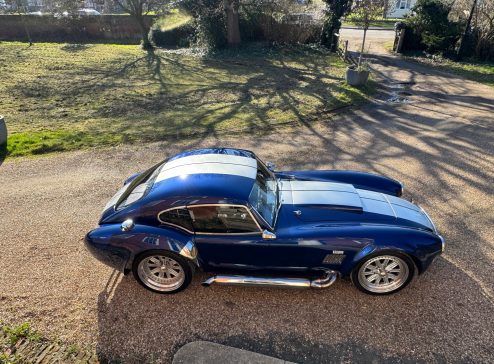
{"points": [[112, 256]]}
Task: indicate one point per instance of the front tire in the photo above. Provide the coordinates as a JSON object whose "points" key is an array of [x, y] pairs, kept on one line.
{"points": [[162, 272], [383, 273]]}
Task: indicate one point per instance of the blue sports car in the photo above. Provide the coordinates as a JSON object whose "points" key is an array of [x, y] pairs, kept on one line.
{"points": [[224, 211]]}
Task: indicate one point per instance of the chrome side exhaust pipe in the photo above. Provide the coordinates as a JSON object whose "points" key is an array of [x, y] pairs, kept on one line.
{"points": [[325, 281]]}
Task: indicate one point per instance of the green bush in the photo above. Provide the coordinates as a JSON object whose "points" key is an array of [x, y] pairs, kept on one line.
{"points": [[430, 21], [335, 10], [209, 16], [181, 36], [251, 29], [413, 40]]}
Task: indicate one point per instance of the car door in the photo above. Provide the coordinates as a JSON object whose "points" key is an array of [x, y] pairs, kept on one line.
{"points": [[228, 237]]}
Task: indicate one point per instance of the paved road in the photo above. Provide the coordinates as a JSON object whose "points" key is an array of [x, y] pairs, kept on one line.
{"points": [[440, 143], [375, 39]]}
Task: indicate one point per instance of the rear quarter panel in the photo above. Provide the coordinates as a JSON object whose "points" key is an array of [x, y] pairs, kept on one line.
{"points": [[140, 239]]}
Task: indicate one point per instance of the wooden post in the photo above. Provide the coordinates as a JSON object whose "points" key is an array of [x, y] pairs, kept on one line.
{"points": [[345, 53], [336, 42], [401, 38]]}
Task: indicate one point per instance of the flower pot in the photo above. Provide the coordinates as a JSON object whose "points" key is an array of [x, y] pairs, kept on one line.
{"points": [[355, 77], [3, 131]]}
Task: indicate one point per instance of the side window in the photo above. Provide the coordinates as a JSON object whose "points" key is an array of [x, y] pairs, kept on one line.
{"points": [[179, 217], [222, 220]]}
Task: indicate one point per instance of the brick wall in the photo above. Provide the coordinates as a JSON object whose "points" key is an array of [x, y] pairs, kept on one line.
{"points": [[95, 29]]}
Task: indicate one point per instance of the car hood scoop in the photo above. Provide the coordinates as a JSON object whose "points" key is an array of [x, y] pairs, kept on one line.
{"points": [[315, 201]]}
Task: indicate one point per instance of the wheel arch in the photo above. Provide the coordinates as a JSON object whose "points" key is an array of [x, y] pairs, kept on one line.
{"points": [[149, 238], [142, 238], [420, 246]]}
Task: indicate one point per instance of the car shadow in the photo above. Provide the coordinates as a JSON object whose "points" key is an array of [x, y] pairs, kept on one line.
{"points": [[339, 324]]}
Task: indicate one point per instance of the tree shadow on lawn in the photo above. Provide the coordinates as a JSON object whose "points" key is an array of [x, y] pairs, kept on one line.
{"points": [[75, 47], [173, 94]]}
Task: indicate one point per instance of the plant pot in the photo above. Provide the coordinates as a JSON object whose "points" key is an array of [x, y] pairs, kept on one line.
{"points": [[3, 131], [355, 77]]}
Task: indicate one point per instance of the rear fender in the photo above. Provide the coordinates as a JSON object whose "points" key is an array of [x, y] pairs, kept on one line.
{"points": [[142, 238]]}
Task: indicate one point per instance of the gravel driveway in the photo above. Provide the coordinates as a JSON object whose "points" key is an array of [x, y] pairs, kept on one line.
{"points": [[438, 139]]}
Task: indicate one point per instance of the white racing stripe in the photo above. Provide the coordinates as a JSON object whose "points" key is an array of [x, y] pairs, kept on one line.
{"points": [[336, 198], [319, 193], [321, 186], [209, 163]]}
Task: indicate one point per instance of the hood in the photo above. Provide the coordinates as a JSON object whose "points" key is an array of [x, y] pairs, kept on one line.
{"points": [[329, 201]]}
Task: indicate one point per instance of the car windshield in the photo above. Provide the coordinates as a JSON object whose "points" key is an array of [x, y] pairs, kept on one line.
{"points": [[264, 194]]}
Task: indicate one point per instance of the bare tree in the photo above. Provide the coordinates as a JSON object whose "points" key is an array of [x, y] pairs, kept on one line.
{"points": [[21, 8], [138, 9], [459, 54], [364, 13]]}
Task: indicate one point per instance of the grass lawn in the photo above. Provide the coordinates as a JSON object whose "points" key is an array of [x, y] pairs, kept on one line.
{"points": [[379, 23], [482, 72], [58, 97], [175, 18]]}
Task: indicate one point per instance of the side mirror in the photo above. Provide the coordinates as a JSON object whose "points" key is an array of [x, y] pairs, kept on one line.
{"points": [[268, 235], [271, 166]]}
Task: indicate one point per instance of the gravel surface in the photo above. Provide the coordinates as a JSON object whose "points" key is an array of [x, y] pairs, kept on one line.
{"points": [[440, 144]]}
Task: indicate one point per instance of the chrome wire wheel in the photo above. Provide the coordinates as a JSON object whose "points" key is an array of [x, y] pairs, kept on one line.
{"points": [[383, 274], [161, 273]]}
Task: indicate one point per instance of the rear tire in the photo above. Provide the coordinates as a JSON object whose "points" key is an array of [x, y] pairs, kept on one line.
{"points": [[161, 271], [383, 273]]}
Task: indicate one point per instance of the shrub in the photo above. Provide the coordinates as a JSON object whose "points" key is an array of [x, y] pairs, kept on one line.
{"points": [[413, 40], [181, 36], [430, 22], [251, 27], [335, 10], [209, 16]]}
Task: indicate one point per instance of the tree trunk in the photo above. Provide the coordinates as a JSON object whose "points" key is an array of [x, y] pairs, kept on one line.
{"points": [[459, 54], [146, 44], [232, 22], [26, 28], [362, 49]]}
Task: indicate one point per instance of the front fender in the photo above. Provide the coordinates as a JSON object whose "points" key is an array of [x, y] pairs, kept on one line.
{"points": [[117, 248], [422, 246]]}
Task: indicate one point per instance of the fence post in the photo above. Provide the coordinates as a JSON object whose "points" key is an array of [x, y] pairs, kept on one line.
{"points": [[336, 42], [345, 53], [401, 38]]}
